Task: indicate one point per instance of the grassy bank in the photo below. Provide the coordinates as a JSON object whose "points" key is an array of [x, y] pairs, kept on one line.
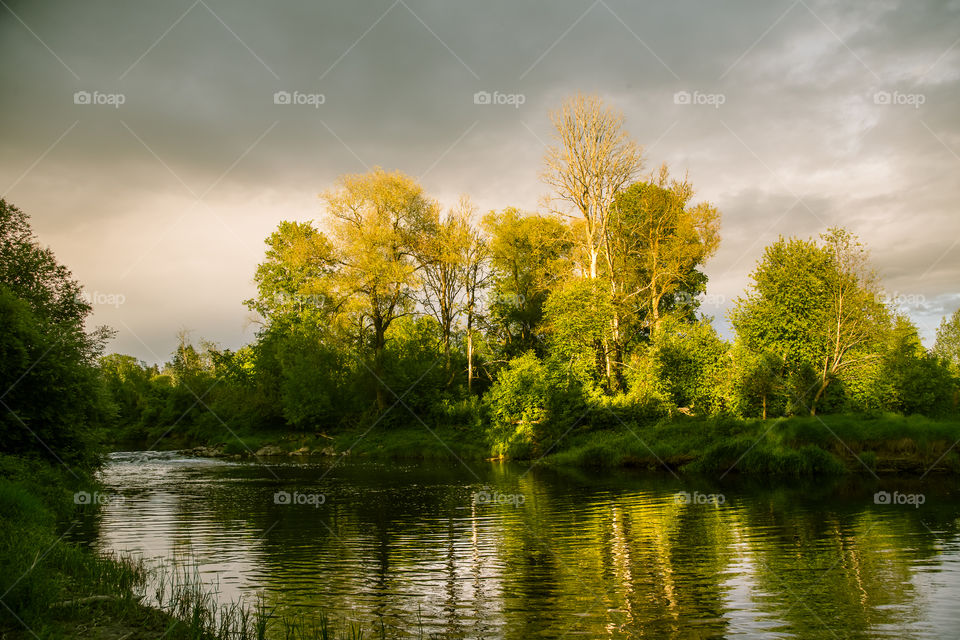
{"points": [[831, 444], [785, 446]]}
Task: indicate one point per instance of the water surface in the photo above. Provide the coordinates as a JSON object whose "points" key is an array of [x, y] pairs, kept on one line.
{"points": [[495, 550]]}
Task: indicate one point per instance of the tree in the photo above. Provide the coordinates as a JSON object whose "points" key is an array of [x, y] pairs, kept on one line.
{"points": [[916, 381], [656, 244], [815, 307], [444, 258], [688, 358], [529, 257], [854, 319], [577, 314], [947, 345], [293, 280], [377, 221], [50, 392], [594, 159], [476, 276], [128, 383]]}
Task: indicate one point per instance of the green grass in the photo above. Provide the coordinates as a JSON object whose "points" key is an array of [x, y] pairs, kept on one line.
{"points": [[797, 446], [824, 445]]}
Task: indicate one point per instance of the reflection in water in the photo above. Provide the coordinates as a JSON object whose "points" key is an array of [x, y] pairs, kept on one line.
{"points": [[616, 555]]}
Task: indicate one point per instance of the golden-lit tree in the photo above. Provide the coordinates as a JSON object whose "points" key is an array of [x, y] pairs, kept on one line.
{"points": [[593, 159], [377, 221]]}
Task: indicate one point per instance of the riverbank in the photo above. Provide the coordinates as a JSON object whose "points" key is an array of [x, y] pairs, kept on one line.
{"points": [[796, 446]]}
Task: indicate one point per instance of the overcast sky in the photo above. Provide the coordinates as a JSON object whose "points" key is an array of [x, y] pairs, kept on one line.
{"points": [[149, 145]]}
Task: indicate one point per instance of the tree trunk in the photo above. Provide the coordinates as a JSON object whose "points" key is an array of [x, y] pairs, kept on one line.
{"points": [[469, 352], [823, 387], [378, 342]]}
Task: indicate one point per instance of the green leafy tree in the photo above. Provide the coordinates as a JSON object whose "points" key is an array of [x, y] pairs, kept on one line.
{"points": [[293, 280], [916, 381], [529, 256], [689, 357], [522, 404], [50, 391], [128, 382], [577, 316], [445, 261], [947, 345], [656, 243], [816, 308]]}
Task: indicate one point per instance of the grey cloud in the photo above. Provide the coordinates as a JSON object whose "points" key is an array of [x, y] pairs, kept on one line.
{"points": [[799, 118]]}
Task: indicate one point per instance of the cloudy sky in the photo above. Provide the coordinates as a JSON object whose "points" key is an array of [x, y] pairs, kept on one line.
{"points": [[150, 145]]}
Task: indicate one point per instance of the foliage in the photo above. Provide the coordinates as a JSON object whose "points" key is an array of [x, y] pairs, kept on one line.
{"points": [[531, 407], [51, 394]]}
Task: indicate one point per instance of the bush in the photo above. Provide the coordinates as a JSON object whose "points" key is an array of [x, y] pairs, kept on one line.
{"points": [[531, 406]]}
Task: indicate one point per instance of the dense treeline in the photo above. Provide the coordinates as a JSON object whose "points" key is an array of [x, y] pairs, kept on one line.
{"points": [[518, 328], [511, 328]]}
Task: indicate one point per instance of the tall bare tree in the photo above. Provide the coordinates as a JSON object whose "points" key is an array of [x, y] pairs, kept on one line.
{"points": [[444, 258], [593, 159], [476, 276]]}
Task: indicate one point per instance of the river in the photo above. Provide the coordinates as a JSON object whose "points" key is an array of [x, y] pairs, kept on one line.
{"points": [[496, 550]]}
